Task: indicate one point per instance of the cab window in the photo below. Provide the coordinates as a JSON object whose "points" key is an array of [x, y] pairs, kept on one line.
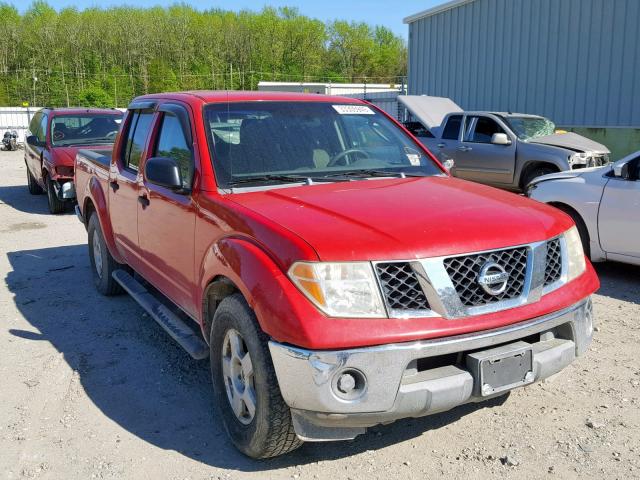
{"points": [[481, 129], [137, 133], [452, 128], [172, 143], [42, 129]]}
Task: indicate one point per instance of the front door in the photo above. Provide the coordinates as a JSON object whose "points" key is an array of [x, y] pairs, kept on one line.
{"points": [[166, 218], [619, 217], [123, 186], [478, 159], [32, 150]]}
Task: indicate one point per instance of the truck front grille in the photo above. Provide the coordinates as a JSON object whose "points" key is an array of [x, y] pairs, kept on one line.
{"points": [[465, 270], [400, 286], [553, 266]]}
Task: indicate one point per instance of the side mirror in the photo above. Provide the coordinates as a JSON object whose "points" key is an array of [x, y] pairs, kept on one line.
{"points": [[33, 141], [626, 170], [164, 172], [500, 139], [449, 163]]}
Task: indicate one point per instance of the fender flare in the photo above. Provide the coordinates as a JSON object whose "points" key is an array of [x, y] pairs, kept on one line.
{"points": [[258, 278]]}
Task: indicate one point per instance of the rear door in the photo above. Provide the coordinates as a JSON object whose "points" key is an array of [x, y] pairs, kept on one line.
{"points": [[446, 147], [125, 178], [166, 218], [619, 217], [480, 160]]}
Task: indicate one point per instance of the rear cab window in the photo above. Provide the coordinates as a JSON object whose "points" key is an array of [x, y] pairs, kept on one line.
{"points": [[452, 128], [136, 137]]}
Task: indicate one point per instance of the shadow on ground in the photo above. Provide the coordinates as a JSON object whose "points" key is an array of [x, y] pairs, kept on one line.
{"points": [[619, 281], [133, 372]]}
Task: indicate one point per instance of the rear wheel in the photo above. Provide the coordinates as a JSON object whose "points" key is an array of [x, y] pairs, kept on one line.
{"points": [[55, 204], [102, 263], [246, 389], [34, 188]]}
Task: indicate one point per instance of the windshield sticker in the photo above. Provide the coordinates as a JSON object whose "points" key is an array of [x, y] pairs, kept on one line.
{"points": [[414, 159], [353, 110]]}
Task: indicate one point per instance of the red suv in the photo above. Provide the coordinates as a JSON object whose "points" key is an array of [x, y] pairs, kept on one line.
{"points": [[54, 137]]}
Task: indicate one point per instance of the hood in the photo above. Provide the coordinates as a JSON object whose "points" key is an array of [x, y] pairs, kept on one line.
{"points": [[572, 141], [66, 156], [409, 218], [429, 111]]}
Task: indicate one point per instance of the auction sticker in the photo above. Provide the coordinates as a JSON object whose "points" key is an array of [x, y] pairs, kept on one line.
{"points": [[353, 110]]}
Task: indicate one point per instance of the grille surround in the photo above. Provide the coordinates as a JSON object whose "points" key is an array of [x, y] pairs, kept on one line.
{"points": [[401, 289], [463, 270]]}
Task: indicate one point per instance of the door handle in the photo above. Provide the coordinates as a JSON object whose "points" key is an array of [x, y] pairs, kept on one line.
{"points": [[462, 148], [441, 145], [114, 185], [143, 200]]}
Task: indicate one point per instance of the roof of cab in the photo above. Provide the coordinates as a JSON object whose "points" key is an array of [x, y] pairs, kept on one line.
{"points": [[79, 111], [221, 96]]}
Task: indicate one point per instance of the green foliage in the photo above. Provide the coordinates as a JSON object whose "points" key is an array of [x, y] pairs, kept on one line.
{"points": [[104, 57]]}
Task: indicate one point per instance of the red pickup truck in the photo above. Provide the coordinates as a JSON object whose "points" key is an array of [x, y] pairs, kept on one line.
{"points": [[336, 276], [55, 135]]}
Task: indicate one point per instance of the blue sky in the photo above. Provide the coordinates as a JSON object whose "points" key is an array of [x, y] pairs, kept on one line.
{"points": [[376, 12]]}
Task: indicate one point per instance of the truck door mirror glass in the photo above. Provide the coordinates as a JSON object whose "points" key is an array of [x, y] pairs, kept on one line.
{"points": [[627, 170], [33, 141], [164, 172], [500, 139]]}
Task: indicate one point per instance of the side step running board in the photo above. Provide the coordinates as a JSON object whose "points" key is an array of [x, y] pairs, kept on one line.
{"points": [[186, 337]]}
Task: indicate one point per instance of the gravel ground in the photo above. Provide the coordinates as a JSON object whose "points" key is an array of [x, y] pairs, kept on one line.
{"points": [[93, 388]]}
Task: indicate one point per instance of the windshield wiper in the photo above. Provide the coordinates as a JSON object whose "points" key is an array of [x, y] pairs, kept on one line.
{"points": [[280, 178], [374, 173]]}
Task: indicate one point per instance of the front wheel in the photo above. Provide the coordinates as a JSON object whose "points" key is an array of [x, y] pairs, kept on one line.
{"points": [[55, 204], [32, 185], [102, 263], [536, 172], [245, 385]]}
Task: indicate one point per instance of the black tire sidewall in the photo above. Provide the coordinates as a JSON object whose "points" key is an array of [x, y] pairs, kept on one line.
{"points": [[101, 282], [55, 204], [234, 313]]}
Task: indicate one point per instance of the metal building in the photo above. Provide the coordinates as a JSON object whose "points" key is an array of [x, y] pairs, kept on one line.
{"points": [[574, 61]]}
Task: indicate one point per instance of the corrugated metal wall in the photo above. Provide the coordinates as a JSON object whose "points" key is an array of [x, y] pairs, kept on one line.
{"points": [[574, 61]]}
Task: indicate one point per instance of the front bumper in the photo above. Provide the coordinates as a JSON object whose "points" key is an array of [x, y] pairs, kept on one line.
{"points": [[416, 378], [64, 188]]}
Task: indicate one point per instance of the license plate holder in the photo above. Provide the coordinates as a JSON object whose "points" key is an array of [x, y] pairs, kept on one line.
{"points": [[502, 368]]}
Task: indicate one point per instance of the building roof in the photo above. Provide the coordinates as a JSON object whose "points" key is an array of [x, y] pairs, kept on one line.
{"points": [[443, 7]]}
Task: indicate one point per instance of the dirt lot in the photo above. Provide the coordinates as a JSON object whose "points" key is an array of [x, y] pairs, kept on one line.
{"points": [[92, 388]]}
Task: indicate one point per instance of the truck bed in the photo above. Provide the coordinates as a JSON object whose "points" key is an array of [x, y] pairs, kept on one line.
{"points": [[90, 163]]}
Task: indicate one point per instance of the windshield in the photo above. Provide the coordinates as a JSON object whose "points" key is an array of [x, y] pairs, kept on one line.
{"points": [[84, 129], [527, 128], [255, 142]]}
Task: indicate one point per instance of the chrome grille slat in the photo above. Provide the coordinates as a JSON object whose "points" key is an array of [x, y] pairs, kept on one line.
{"points": [[464, 271], [553, 267], [400, 286]]}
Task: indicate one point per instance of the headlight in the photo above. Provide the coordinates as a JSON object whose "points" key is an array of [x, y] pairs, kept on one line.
{"points": [[575, 254], [340, 289], [580, 158]]}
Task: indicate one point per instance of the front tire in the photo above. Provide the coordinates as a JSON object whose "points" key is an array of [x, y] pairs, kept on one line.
{"points": [[56, 205], [102, 263], [32, 185], [248, 398], [535, 172]]}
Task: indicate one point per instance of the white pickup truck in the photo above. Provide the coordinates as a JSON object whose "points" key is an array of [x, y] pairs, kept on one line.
{"points": [[502, 149]]}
